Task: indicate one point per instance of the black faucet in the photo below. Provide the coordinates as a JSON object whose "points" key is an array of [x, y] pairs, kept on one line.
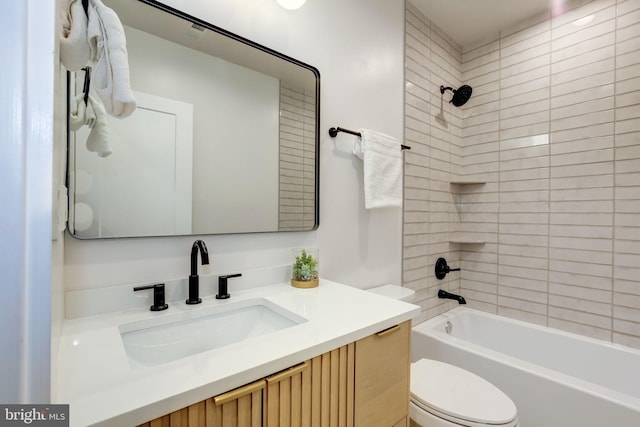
{"points": [[194, 281], [158, 296], [222, 286], [448, 295]]}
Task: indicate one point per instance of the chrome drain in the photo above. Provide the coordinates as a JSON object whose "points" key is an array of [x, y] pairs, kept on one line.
{"points": [[448, 327]]}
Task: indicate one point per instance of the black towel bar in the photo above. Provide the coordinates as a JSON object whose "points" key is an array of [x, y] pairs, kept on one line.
{"points": [[333, 132]]}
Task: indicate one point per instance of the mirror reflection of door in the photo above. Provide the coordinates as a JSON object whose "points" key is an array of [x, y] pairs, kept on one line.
{"points": [[254, 137], [144, 186]]}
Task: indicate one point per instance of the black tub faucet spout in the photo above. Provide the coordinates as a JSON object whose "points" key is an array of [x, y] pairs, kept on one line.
{"points": [[448, 295], [194, 281]]}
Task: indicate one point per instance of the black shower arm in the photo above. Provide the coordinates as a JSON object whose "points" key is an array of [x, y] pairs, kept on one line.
{"points": [[442, 89]]}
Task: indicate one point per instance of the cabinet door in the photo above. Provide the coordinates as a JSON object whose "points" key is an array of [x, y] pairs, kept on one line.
{"points": [[382, 365], [241, 407], [366, 383], [332, 388], [316, 393], [289, 397]]}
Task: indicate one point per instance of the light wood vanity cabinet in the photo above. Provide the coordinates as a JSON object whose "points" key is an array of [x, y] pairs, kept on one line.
{"points": [[319, 394], [362, 384], [382, 368], [240, 407]]}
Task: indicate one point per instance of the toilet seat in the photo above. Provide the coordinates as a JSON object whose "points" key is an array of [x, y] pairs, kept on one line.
{"points": [[459, 396]]}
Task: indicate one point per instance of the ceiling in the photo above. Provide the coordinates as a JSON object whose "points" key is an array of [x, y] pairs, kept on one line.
{"points": [[469, 21]]}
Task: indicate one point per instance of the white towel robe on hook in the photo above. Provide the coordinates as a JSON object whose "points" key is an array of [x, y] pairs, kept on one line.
{"points": [[74, 44], [110, 78]]}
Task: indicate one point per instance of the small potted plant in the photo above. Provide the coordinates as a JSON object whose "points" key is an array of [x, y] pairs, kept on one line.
{"points": [[305, 268]]}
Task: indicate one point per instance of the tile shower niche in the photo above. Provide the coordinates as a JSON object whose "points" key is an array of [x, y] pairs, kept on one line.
{"points": [[461, 190]]}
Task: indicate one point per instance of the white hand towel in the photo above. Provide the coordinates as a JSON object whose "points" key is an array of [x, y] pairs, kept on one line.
{"points": [[110, 78], [382, 164], [74, 44], [94, 116], [98, 139], [81, 114]]}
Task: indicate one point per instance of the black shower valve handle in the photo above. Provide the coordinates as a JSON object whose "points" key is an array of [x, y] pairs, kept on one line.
{"points": [[442, 268]]}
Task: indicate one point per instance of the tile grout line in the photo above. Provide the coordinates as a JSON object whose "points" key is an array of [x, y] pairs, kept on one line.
{"points": [[615, 187], [550, 141]]}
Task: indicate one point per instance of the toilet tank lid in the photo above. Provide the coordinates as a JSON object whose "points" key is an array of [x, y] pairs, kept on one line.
{"points": [[459, 394], [394, 291]]}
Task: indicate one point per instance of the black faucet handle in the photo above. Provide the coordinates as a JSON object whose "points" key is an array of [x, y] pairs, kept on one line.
{"points": [[442, 268], [158, 296], [222, 285]]}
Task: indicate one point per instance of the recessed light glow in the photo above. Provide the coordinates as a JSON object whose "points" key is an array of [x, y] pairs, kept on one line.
{"points": [[291, 4], [558, 7]]}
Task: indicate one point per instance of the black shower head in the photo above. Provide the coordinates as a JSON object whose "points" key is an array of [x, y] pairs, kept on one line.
{"points": [[460, 95]]}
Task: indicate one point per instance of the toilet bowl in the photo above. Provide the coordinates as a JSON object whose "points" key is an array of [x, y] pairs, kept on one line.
{"points": [[443, 395]]}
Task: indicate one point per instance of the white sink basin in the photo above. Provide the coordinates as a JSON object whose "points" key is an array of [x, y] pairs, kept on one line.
{"points": [[173, 336]]}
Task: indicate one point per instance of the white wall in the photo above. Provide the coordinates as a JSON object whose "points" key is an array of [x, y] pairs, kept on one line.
{"points": [[358, 48], [26, 132]]}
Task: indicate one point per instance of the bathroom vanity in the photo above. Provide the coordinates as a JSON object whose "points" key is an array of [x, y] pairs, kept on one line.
{"points": [[365, 383], [342, 356]]}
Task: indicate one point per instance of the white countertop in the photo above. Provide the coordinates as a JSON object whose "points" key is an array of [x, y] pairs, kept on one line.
{"points": [[96, 378]]}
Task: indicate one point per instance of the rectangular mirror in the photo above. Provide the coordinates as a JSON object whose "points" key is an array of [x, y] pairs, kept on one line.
{"points": [[224, 138]]}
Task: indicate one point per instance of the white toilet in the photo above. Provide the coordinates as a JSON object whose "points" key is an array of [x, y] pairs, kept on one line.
{"points": [[395, 292], [443, 395]]}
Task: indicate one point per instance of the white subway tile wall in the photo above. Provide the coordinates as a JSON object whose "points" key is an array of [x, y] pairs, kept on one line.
{"points": [[297, 160], [553, 131], [433, 129]]}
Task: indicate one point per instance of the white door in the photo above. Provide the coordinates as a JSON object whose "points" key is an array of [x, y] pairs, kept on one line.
{"points": [[144, 188]]}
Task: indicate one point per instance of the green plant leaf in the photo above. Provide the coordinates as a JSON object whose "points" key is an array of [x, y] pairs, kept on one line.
{"points": [[305, 267]]}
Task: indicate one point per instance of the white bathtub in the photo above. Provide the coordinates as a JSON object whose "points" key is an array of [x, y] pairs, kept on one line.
{"points": [[556, 379]]}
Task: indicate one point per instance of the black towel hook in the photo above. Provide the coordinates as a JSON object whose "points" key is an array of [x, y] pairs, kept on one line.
{"points": [[87, 83]]}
